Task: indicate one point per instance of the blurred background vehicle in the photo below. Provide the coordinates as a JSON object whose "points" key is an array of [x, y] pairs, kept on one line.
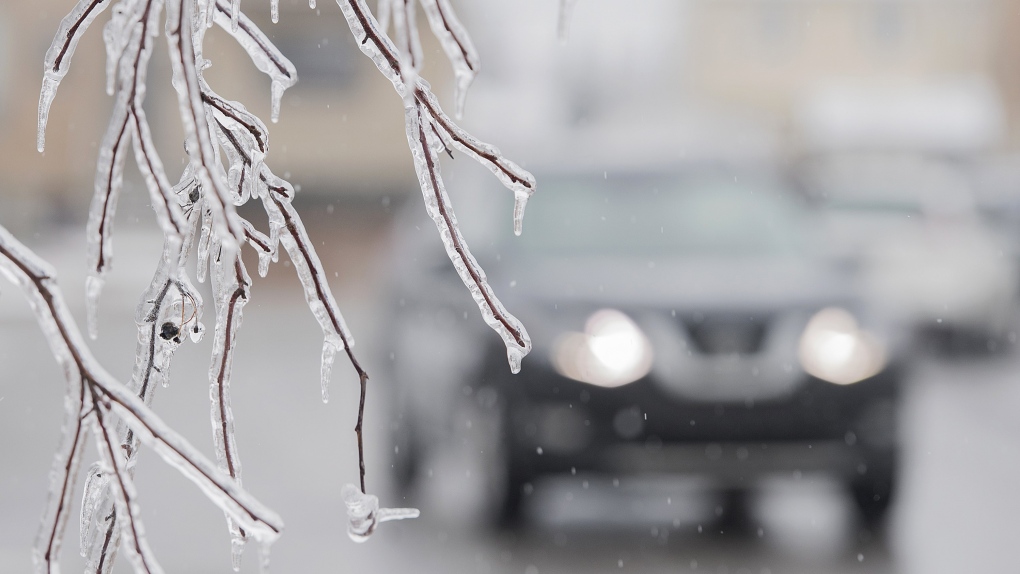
{"points": [[687, 323], [926, 256]]}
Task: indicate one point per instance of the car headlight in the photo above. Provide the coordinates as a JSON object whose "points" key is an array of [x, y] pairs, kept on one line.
{"points": [[834, 348], [611, 352]]}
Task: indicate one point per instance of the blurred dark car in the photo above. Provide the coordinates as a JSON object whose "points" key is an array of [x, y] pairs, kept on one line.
{"points": [[682, 323]]}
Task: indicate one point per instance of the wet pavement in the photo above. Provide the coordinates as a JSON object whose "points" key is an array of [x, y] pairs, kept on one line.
{"points": [[957, 509]]}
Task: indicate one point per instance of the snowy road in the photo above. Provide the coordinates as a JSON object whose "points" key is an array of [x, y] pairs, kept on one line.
{"points": [[958, 510]]}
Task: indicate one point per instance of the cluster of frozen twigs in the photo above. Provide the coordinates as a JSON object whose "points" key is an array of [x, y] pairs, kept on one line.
{"points": [[226, 148]]}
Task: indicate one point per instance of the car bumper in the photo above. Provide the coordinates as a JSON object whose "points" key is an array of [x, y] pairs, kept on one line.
{"points": [[554, 425]]}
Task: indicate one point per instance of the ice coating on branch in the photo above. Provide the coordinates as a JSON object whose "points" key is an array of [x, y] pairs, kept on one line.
{"points": [[437, 204], [373, 42], [405, 35], [58, 57], [160, 316], [383, 12], [424, 122], [364, 514], [100, 536], [259, 522], [88, 383], [93, 288], [116, 34], [230, 283], [284, 217], [511, 175], [202, 152], [458, 47], [108, 184]]}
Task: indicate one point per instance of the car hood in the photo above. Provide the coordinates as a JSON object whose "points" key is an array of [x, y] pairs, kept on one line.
{"points": [[676, 283]]}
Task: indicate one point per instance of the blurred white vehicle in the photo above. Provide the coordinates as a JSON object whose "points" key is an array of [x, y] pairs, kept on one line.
{"points": [[926, 256]]}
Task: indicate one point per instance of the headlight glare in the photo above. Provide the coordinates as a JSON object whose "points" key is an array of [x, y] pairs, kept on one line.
{"points": [[834, 348], [611, 352]]}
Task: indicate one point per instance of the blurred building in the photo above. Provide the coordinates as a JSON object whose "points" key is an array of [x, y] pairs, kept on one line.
{"points": [[340, 132], [793, 75]]}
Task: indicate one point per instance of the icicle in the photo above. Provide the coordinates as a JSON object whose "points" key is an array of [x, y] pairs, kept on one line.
{"points": [[329, 348], [95, 482], [266, 57], [203, 245], [276, 96], [274, 10], [520, 202], [311, 4], [264, 258], [93, 288], [236, 552], [46, 96], [235, 9], [364, 514], [234, 175], [257, 158]]}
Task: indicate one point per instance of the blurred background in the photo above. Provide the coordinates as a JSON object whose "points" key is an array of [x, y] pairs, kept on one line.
{"points": [[830, 299]]}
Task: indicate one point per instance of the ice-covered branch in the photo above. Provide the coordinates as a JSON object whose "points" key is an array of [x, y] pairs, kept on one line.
{"points": [[364, 514], [226, 147], [201, 149], [458, 47], [437, 203], [58, 57], [422, 109], [92, 398], [230, 284]]}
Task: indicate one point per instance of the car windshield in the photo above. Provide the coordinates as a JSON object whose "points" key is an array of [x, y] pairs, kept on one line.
{"points": [[674, 216]]}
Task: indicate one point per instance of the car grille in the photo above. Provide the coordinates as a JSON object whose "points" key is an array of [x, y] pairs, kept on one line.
{"points": [[726, 334]]}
